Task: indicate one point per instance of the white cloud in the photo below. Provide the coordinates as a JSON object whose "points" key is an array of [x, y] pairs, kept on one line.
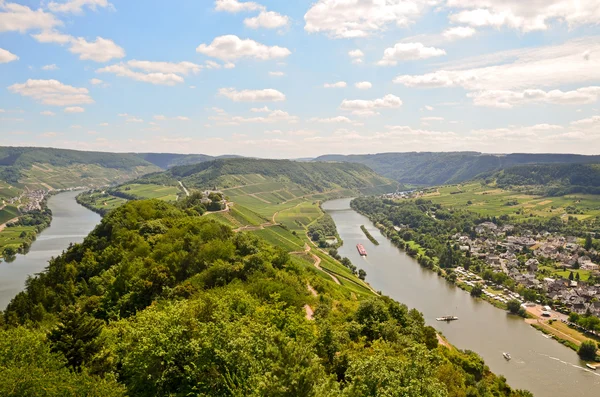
{"points": [[7, 56], [96, 81], [74, 109], [518, 69], [339, 84], [47, 113], [507, 99], [267, 20], [235, 6], [525, 16], [157, 78], [103, 124], [229, 65], [264, 109], [277, 74], [273, 116], [335, 120], [360, 18], [184, 68], [357, 56], [362, 107], [363, 85], [76, 6], [52, 36], [408, 52], [100, 50], [459, 32], [134, 119], [265, 95], [160, 117], [430, 108], [182, 118], [356, 53], [592, 121], [212, 65], [19, 18], [52, 92], [231, 47], [50, 67]]}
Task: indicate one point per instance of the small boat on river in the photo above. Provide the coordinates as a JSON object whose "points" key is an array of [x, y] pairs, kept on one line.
{"points": [[507, 356], [447, 318], [361, 250], [590, 366]]}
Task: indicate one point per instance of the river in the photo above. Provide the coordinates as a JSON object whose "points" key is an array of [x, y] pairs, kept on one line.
{"points": [[540, 365], [71, 222]]}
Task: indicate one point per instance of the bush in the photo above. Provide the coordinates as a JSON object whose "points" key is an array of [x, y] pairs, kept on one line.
{"points": [[587, 350]]}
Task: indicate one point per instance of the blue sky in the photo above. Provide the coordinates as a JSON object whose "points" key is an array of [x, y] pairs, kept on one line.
{"points": [[287, 79]]}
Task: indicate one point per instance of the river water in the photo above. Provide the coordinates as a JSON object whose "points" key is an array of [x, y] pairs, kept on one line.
{"points": [[71, 222], [540, 365]]}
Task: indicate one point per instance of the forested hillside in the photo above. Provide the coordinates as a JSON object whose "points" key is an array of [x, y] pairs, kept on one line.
{"points": [[158, 301], [552, 179], [227, 173], [44, 168], [428, 168], [168, 160]]}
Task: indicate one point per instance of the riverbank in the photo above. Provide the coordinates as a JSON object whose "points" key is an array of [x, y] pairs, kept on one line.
{"points": [[491, 293], [18, 234], [369, 236], [539, 364]]}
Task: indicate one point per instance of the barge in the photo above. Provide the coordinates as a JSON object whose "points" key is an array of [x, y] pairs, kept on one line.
{"points": [[361, 250]]}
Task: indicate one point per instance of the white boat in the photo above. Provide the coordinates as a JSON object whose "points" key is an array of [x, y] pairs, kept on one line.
{"points": [[507, 356], [590, 366], [447, 318]]}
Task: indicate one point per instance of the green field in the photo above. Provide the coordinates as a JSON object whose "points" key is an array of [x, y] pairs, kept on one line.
{"points": [[489, 200], [150, 191], [7, 213]]}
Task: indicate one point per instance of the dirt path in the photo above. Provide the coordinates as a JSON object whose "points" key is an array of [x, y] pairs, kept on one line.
{"points": [[184, 189], [309, 312], [3, 226], [443, 341], [552, 330], [312, 291]]}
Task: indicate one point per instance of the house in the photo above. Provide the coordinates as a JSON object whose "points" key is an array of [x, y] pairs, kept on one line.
{"points": [[532, 265]]}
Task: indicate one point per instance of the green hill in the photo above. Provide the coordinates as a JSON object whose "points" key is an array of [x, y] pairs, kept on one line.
{"points": [[429, 168], [552, 179], [169, 160], [159, 302], [241, 172], [47, 168]]}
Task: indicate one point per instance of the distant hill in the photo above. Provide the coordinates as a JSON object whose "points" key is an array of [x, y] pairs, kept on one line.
{"points": [[229, 173], [169, 160], [552, 179], [47, 168], [430, 168]]}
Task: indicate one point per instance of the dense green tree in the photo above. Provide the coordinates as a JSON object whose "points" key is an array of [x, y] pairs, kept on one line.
{"points": [[77, 337], [476, 291], [513, 306], [587, 350]]}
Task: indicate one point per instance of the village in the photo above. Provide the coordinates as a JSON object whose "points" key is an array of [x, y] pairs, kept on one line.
{"points": [[28, 201], [534, 261]]}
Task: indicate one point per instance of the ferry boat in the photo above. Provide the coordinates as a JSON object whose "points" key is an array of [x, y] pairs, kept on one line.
{"points": [[590, 366], [361, 250], [507, 356], [447, 318]]}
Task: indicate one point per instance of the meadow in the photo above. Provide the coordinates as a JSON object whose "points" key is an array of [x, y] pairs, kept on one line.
{"points": [[489, 200]]}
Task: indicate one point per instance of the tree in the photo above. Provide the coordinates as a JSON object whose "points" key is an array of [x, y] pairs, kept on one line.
{"points": [[477, 291], [362, 274], [77, 337], [513, 306], [571, 276], [588, 242], [577, 277], [587, 350]]}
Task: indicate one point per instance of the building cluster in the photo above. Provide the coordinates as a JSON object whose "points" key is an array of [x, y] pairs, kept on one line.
{"points": [[521, 257], [29, 200]]}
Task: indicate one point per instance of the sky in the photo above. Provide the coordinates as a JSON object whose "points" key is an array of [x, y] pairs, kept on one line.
{"points": [[301, 78]]}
